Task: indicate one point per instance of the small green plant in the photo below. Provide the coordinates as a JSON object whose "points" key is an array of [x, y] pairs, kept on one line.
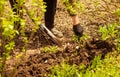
{"points": [[103, 68], [81, 40], [96, 61], [117, 12], [111, 34], [9, 22], [7, 34], [78, 39], [108, 31], [84, 38], [50, 49], [64, 70], [108, 67]]}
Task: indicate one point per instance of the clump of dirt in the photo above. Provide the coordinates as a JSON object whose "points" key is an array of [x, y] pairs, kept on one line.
{"points": [[39, 65]]}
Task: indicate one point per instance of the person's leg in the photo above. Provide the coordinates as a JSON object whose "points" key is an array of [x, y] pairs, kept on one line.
{"points": [[75, 19], [49, 17], [77, 28], [50, 13]]}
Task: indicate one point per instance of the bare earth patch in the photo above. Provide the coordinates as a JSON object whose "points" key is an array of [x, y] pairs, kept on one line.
{"points": [[38, 64]]}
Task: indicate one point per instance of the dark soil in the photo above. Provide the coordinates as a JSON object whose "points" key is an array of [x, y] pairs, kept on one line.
{"points": [[38, 64]]}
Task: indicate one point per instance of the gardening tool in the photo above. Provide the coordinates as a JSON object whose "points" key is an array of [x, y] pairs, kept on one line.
{"points": [[47, 33], [44, 31]]}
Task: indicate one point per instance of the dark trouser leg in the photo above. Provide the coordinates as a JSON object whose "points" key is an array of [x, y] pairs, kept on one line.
{"points": [[50, 13]]}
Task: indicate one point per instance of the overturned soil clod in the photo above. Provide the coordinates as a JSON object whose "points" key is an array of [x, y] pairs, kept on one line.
{"points": [[38, 65]]}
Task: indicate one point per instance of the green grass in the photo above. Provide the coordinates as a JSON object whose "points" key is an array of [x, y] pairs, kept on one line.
{"points": [[107, 67]]}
